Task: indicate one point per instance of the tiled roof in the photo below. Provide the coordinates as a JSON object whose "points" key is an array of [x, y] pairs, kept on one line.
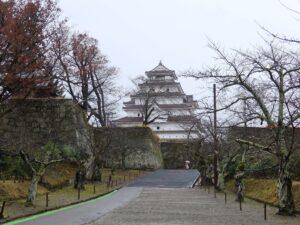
{"points": [[129, 102], [162, 106], [181, 118], [161, 70], [154, 94], [154, 83], [160, 67]]}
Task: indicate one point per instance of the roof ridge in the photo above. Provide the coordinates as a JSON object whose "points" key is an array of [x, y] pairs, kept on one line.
{"points": [[160, 67]]}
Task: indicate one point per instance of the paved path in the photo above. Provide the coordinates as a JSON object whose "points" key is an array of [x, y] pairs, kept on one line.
{"points": [[177, 206], [168, 179], [145, 202], [90, 211], [94, 210]]}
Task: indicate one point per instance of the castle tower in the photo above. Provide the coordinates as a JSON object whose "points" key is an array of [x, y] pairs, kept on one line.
{"points": [[161, 104]]}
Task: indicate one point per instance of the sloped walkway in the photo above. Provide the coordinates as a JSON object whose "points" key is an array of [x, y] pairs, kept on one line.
{"points": [[167, 179], [186, 206]]}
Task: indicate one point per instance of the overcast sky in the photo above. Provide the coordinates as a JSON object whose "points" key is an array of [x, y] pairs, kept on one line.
{"points": [[136, 34]]}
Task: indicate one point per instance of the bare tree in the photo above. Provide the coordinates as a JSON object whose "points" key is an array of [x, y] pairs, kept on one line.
{"points": [[38, 161], [148, 101], [269, 76], [86, 74]]}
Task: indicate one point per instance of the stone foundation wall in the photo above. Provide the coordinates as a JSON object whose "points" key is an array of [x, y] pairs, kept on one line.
{"points": [[33, 123], [132, 147]]}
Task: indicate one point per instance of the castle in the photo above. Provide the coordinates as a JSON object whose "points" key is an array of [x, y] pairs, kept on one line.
{"points": [[161, 104]]}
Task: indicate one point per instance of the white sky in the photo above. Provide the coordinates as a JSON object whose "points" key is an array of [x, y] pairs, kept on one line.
{"points": [[136, 34]]}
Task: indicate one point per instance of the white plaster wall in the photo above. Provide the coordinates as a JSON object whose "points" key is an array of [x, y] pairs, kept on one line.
{"points": [[133, 113], [175, 136], [169, 100], [128, 124]]}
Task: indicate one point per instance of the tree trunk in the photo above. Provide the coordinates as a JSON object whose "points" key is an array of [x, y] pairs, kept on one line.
{"points": [[284, 191], [123, 161], [240, 186], [32, 190], [96, 176], [221, 180], [285, 194]]}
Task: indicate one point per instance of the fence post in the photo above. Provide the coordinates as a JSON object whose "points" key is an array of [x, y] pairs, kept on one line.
{"points": [[265, 211], [78, 193], [2, 210], [94, 188], [225, 197], [47, 200], [215, 193], [208, 190], [107, 185], [240, 200]]}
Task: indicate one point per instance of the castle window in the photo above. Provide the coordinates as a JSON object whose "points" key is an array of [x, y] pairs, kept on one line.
{"points": [[157, 128], [139, 115], [160, 77]]}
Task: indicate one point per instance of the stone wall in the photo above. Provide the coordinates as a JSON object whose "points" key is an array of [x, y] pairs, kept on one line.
{"points": [[175, 153], [132, 147], [261, 135], [32, 123]]}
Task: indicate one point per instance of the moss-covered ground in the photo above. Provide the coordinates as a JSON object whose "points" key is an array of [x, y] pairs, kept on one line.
{"points": [[14, 193], [265, 190]]}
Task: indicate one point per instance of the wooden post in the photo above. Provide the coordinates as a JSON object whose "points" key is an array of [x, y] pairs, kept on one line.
{"points": [[47, 200], [225, 197], [208, 189], [215, 193], [107, 185], [78, 193], [94, 188], [265, 211], [124, 178], [2, 210], [240, 200]]}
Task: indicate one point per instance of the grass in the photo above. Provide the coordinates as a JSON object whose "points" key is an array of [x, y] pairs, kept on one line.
{"points": [[9, 190], [265, 190], [59, 175], [15, 193]]}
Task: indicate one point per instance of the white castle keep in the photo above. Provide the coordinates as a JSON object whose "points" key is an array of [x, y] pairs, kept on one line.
{"points": [[161, 104]]}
